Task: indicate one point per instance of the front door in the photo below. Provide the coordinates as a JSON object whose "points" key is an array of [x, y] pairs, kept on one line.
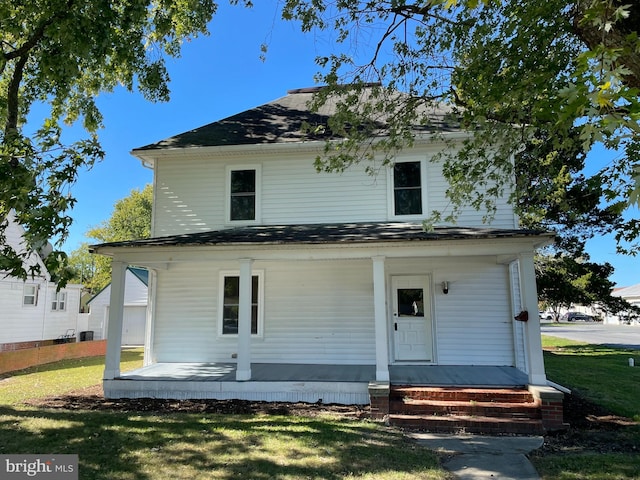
{"points": [[412, 326]]}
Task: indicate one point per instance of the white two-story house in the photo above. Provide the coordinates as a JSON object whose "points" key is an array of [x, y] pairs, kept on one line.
{"points": [[34, 311], [271, 281]]}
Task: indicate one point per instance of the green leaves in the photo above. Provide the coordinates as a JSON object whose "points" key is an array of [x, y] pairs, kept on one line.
{"points": [[511, 73], [63, 53]]}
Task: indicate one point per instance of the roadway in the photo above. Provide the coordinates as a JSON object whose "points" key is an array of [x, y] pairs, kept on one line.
{"points": [[620, 336]]}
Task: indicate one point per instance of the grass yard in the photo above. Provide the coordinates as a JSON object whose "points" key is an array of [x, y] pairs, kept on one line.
{"points": [[143, 445], [598, 373], [60, 377], [609, 449]]}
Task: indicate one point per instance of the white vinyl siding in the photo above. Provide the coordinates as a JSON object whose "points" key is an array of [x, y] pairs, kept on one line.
{"points": [[24, 323], [322, 312], [475, 325], [313, 312], [472, 323], [191, 193], [437, 200]]}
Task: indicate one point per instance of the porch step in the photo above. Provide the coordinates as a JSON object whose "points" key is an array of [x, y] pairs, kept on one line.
{"points": [[473, 410], [506, 395]]}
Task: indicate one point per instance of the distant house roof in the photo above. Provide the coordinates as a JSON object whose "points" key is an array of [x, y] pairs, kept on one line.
{"points": [[324, 234], [141, 274], [279, 121], [627, 292]]}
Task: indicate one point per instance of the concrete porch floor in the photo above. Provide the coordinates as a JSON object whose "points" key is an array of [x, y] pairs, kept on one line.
{"points": [[432, 375]]}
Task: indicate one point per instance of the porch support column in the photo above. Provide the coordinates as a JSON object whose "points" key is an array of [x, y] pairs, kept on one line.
{"points": [[380, 316], [116, 313], [243, 370], [149, 354], [532, 326]]}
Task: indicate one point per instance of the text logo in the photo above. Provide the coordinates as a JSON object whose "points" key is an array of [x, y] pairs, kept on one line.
{"points": [[49, 467]]}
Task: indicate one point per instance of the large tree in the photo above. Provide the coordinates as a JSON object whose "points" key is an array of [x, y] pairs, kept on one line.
{"points": [[63, 54], [564, 282], [535, 81]]}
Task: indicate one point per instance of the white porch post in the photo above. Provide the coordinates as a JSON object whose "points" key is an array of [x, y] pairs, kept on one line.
{"points": [[149, 354], [243, 370], [114, 328], [532, 326], [380, 316]]}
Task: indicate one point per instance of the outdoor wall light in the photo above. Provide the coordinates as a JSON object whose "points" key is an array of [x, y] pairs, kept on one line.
{"points": [[445, 287]]}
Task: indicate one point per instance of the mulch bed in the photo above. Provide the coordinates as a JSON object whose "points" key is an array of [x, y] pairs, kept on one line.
{"points": [[92, 398], [591, 428]]}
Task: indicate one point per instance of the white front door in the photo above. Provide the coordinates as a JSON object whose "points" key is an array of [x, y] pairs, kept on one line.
{"points": [[412, 325]]}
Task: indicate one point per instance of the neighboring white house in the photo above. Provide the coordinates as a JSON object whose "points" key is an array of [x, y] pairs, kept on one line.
{"points": [[135, 308], [33, 310], [271, 281], [630, 294]]}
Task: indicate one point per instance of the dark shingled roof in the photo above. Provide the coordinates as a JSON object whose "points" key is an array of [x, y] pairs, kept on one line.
{"points": [[324, 234], [279, 121]]}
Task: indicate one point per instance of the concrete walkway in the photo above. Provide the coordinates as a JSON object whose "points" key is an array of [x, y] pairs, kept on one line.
{"points": [[479, 457]]}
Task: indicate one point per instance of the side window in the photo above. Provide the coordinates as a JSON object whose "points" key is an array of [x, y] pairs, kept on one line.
{"points": [[407, 188], [30, 295], [59, 301], [230, 300], [243, 198]]}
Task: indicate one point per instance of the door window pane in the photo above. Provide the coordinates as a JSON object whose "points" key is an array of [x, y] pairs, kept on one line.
{"points": [[410, 302]]}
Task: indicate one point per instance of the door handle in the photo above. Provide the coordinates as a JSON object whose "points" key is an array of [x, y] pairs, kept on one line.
{"points": [[395, 326]]}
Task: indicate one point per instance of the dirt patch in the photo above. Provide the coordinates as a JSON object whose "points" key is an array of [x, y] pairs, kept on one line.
{"points": [[591, 429]]}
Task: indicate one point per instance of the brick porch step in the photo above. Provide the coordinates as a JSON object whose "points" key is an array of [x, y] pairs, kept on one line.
{"points": [[473, 410]]}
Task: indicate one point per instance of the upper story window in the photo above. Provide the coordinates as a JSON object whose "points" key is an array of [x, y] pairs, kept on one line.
{"points": [[407, 188], [243, 199], [230, 297], [30, 295], [59, 301]]}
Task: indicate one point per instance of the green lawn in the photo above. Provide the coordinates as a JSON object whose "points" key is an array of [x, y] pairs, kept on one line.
{"points": [[60, 377], [142, 445], [602, 375], [135, 445]]}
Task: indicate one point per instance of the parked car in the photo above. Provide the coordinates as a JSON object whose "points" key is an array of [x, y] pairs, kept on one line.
{"points": [[546, 315], [576, 316]]}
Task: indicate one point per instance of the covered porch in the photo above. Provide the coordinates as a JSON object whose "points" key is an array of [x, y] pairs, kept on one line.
{"points": [[343, 384]]}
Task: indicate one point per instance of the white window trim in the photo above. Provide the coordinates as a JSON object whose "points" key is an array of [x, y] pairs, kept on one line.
{"points": [[391, 193], [227, 197], [36, 289], [236, 273], [55, 301]]}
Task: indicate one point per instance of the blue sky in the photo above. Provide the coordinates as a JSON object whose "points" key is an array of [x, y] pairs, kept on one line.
{"points": [[217, 76]]}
